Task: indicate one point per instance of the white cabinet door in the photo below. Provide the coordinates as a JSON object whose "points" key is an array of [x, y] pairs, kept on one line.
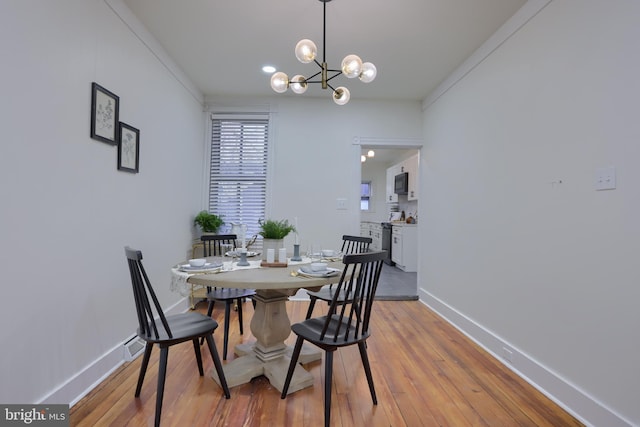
{"points": [[396, 246], [404, 247], [364, 229], [392, 197], [411, 165], [376, 236]]}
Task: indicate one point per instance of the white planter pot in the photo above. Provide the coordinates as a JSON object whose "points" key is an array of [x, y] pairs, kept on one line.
{"points": [[274, 244]]}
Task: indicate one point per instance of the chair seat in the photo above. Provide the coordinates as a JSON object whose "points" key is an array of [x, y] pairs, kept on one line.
{"points": [[184, 327], [222, 294], [326, 294], [311, 330]]}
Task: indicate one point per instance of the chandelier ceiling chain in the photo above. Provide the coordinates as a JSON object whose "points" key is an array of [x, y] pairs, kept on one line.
{"points": [[306, 52]]}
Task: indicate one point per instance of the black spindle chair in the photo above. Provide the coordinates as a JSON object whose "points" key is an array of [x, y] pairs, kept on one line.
{"points": [[156, 328], [213, 247], [350, 245], [346, 324]]}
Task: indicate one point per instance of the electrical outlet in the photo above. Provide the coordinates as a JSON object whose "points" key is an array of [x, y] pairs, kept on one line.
{"points": [[606, 178]]}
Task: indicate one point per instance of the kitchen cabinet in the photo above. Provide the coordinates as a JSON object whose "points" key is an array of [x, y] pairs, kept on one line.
{"points": [[373, 230], [365, 229], [404, 247], [411, 165], [392, 197], [376, 236]]}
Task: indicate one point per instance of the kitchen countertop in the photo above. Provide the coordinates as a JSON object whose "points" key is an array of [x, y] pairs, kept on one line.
{"points": [[393, 223], [402, 224]]}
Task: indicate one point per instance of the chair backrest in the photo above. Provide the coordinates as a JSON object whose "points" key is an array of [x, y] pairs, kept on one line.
{"points": [[359, 281], [355, 244], [142, 290], [212, 243]]}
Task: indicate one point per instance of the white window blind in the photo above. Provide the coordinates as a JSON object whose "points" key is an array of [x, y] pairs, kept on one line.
{"points": [[238, 187]]}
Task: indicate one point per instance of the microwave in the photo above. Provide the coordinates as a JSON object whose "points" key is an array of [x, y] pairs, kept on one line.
{"points": [[401, 185]]}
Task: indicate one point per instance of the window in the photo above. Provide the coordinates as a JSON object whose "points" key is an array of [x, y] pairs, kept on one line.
{"points": [[238, 185], [365, 196]]}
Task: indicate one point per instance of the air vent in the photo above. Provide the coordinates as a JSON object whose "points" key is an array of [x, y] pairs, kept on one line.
{"points": [[133, 348]]}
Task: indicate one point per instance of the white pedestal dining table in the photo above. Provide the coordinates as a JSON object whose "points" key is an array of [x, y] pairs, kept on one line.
{"points": [[270, 324]]}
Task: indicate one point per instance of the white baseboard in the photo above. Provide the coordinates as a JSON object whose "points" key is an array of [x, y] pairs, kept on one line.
{"points": [[578, 403], [78, 386]]}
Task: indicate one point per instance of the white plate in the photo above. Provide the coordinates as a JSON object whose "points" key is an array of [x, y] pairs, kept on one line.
{"points": [[207, 267], [329, 272], [249, 254]]}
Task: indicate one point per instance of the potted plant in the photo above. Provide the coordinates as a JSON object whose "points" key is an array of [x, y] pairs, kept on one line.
{"points": [[273, 232], [208, 222]]}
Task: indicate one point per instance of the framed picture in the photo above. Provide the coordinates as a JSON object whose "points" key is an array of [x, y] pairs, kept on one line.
{"points": [[128, 148], [104, 114]]}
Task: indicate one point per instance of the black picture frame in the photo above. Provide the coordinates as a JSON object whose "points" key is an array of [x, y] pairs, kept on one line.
{"points": [[128, 148], [105, 109]]}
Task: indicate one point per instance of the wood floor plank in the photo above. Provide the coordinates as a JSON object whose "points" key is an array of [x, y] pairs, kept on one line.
{"points": [[426, 373]]}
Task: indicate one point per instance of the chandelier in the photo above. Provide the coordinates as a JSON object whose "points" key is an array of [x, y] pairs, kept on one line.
{"points": [[306, 52]]}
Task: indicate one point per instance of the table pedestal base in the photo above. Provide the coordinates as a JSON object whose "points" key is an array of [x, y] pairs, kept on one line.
{"points": [[269, 356], [243, 369]]}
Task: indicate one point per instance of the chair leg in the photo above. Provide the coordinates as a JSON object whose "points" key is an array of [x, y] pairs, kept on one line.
{"points": [[162, 373], [328, 376], [292, 366], [210, 308], [218, 365], [362, 346], [239, 300], [196, 347], [143, 368], [227, 315], [312, 304], [209, 313]]}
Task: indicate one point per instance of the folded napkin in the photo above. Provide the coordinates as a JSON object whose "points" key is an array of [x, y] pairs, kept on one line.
{"points": [[179, 282], [179, 278]]}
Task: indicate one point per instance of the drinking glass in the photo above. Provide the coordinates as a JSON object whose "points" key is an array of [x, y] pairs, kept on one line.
{"points": [[313, 252], [227, 263]]}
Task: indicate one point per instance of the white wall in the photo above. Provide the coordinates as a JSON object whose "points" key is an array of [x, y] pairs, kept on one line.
{"points": [[314, 160], [518, 259], [66, 211]]}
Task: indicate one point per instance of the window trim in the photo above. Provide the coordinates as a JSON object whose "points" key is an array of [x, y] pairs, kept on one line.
{"points": [[208, 157]]}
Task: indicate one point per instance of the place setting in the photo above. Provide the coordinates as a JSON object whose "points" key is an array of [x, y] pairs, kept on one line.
{"points": [[316, 269], [199, 265]]}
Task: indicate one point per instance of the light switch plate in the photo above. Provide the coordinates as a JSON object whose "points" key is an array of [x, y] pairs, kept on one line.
{"points": [[606, 178], [341, 204]]}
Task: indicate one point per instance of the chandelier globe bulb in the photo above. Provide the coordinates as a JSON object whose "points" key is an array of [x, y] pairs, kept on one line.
{"points": [[368, 72], [279, 82], [298, 84], [306, 51], [351, 66], [341, 95]]}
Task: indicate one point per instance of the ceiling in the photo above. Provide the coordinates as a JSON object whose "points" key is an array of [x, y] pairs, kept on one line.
{"points": [[415, 44]]}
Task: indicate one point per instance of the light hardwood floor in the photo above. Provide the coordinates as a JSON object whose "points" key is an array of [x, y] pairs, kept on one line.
{"points": [[426, 373]]}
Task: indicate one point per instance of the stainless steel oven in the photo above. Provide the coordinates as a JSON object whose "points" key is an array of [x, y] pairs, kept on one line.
{"points": [[386, 242]]}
